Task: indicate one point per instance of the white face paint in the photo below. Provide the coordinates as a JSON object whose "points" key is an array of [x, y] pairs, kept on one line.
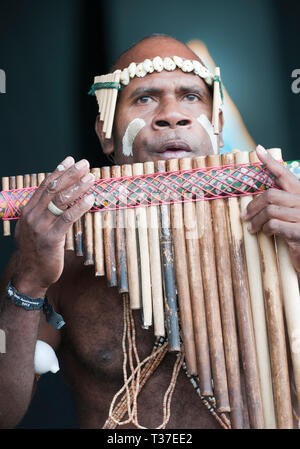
{"points": [[131, 132], [203, 120]]}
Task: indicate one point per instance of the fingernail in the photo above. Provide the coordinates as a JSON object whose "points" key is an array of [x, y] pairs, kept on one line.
{"points": [[81, 164], [65, 163], [261, 149], [88, 177], [249, 228]]}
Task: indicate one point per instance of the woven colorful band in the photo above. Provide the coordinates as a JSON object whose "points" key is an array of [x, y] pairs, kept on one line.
{"points": [[160, 188]]}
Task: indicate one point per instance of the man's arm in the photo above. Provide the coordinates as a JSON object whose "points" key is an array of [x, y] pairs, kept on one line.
{"points": [[21, 328], [36, 265]]}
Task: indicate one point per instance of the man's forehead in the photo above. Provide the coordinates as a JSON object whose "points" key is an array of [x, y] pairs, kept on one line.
{"points": [[153, 47]]}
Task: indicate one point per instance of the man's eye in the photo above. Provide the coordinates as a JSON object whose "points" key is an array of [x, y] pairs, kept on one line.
{"points": [[144, 100], [192, 98]]}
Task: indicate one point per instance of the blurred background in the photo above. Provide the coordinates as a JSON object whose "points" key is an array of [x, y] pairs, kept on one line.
{"points": [[51, 50]]}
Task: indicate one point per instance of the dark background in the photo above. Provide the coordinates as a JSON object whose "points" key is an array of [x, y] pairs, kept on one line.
{"points": [[51, 50]]}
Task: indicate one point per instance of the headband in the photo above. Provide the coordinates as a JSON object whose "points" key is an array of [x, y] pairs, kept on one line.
{"points": [[106, 87]]}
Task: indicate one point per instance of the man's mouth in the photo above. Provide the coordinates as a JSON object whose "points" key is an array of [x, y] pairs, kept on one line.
{"points": [[174, 150]]}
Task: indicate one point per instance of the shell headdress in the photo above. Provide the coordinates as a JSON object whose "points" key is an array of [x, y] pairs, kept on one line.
{"points": [[106, 87]]}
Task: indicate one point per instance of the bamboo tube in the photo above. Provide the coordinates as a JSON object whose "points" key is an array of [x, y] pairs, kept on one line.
{"points": [[113, 101], [6, 223], [108, 102], [26, 181], [78, 231], [40, 178], [131, 250], [143, 250], [155, 263], [98, 235], [109, 239], [182, 280], [99, 93], [104, 98], [243, 310], [33, 180], [211, 295], [227, 305], [196, 289], [168, 271], [275, 325], [216, 103], [19, 182], [258, 310], [291, 297], [88, 239], [69, 245], [12, 182], [121, 261]]}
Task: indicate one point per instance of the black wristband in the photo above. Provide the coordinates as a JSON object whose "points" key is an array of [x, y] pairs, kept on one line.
{"points": [[28, 303], [22, 300]]}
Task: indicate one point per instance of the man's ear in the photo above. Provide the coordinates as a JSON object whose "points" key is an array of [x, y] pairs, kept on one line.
{"points": [[106, 144], [221, 124]]}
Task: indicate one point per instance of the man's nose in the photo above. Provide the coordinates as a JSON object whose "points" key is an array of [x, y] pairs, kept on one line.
{"points": [[170, 115]]}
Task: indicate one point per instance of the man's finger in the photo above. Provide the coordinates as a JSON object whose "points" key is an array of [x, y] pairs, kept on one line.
{"points": [[71, 177], [268, 198], [285, 179], [65, 221], [61, 168], [271, 212], [289, 231]]}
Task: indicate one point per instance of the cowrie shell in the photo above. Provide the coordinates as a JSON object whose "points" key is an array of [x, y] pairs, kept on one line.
{"points": [[124, 77], [140, 70], [178, 61], [169, 64], [158, 64], [148, 66], [187, 66], [132, 69]]}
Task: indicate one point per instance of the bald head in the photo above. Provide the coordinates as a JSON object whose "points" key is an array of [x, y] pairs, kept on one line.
{"points": [[152, 46]]}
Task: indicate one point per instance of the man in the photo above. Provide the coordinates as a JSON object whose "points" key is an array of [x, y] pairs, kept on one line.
{"points": [[89, 345]]}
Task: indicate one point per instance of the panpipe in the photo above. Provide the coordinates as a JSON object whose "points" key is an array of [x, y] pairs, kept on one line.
{"points": [[169, 235]]}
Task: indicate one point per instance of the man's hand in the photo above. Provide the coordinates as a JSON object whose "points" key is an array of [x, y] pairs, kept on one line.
{"points": [[277, 212], [40, 235]]}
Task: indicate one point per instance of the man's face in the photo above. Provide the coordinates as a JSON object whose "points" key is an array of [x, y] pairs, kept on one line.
{"points": [[171, 107]]}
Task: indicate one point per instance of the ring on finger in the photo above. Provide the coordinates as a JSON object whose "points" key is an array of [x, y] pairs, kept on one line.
{"points": [[54, 209]]}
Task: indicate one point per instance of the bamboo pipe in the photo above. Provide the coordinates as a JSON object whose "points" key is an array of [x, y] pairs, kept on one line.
{"points": [[196, 289], [227, 305], [243, 309], [155, 263], [109, 239], [122, 274], [131, 250], [143, 250], [291, 297], [168, 269], [211, 295], [182, 279], [98, 245], [258, 309], [275, 325]]}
